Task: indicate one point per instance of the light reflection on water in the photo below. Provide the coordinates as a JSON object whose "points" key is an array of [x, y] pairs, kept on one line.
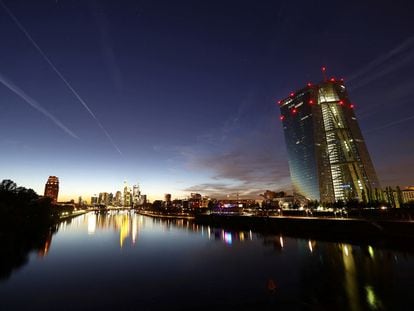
{"points": [[238, 269]]}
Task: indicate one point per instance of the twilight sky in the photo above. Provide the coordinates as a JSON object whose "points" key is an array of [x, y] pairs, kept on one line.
{"points": [[181, 96]]}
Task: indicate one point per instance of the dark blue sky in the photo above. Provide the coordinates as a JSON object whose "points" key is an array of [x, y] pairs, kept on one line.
{"points": [[187, 90]]}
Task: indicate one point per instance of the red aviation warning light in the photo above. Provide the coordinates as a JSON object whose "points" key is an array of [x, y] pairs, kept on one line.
{"points": [[352, 106], [279, 102], [294, 110], [324, 73], [341, 102], [282, 117], [311, 102], [309, 84], [292, 94], [332, 79]]}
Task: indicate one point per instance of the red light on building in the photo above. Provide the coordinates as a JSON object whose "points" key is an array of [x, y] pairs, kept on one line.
{"points": [[282, 117], [332, 79], [309, 84], [352, 106], [311, 102], [342, 79], [341, 102], [324, 68], [292, 94], [279, 102], [294, 110]]}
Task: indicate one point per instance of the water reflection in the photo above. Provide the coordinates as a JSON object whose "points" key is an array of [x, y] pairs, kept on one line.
{"points": [[18, 243], [267, 270], [124, 222]]}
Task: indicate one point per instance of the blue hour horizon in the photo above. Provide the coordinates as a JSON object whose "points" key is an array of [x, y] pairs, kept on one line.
{"points": [[180, 103]]}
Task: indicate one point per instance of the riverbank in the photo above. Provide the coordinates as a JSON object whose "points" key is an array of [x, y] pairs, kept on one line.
{"points": [[160, 215], [72, 215], [352, 230]]}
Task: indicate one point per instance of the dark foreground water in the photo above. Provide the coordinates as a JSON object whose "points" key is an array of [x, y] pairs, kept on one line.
{"points": [[123, 261]]}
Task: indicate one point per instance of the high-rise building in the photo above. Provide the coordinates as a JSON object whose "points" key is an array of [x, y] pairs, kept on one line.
{"points": [[118, 199], [328, 158], [167, 199], [136, 195], [103, 198], [52, 188], [110, 199], [127, 195], [94, 200]]}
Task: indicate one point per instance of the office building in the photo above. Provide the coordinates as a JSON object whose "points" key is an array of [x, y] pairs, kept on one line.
{"points": [[328, 158], [136, 195], [52, 188], [94, 200], [127, 195]]}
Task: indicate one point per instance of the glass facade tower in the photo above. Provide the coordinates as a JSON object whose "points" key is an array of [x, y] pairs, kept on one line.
{"points": [[328, 158]]}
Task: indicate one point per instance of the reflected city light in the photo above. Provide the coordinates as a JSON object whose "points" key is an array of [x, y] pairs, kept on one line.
{"points": [[281, 241], [124, 231], [351, 282], [227, 238], [346, 250], [310, 246], [91, 223], [371, 252], [134, 229], [372, 299]]}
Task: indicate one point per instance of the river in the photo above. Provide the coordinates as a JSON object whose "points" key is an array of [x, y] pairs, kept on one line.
{"points": [[126, 261]]}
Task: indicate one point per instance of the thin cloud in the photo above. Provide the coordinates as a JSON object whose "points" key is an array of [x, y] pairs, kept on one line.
{"points": [[241, 156], [14, 88], [107, 49], [46, 58], [390, 124], [385, 64]]}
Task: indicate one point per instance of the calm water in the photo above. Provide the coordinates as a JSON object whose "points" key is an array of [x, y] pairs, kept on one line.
{"points": [[125, 261]]}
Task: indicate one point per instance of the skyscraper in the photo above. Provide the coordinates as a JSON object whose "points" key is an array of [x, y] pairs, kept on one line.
{"points": [[118, 199], [328, 158], [136, 195], [127, 195], [52, 188]]}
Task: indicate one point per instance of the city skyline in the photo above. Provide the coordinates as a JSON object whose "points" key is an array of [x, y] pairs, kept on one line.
{"points": [[183, 109]]}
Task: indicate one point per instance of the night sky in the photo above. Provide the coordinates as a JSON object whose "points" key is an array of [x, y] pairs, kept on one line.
{"points": [[181, 96]]}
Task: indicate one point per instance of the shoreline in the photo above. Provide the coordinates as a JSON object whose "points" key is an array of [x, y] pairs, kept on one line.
{"points": [[383, 233], [172, 216]]}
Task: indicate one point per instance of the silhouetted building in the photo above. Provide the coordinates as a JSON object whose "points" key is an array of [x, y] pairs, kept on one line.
{"points": [[167, 199], [103, 198], [118, 198], [408, 194], [94, 200], [195, 196], [328, 158], [127, 195], [52, 188], [136, 195]]}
